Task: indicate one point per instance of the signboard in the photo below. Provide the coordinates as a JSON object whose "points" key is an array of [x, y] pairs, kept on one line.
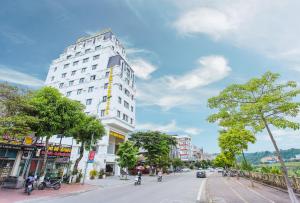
{"points": [[117, 135], [55, 150], [91, 156]]}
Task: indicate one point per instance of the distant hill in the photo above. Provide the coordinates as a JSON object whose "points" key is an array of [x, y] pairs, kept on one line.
{"points": [[255, 157]]}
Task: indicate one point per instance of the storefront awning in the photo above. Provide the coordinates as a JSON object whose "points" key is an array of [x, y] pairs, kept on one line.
{"points": [[117, 135]]}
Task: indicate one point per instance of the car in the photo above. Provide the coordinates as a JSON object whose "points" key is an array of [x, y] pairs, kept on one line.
{"points": [[186, 170], [220, 170], [201, 174]]}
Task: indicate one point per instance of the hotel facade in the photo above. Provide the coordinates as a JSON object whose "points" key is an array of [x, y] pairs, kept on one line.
{"points": [[95, 72]]}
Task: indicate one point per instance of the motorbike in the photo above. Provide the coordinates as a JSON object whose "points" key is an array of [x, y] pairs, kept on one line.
{"points": [[137, 180], [29, 185], [159, 178], [50, 183]]}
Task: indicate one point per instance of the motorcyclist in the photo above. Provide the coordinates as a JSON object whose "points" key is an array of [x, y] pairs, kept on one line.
{"points": [[139, 174], [159, 174], [29, 181]]}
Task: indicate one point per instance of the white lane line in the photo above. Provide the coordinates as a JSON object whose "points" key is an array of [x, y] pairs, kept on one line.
{"points": [[257, 193], [236, 193], [200, 192]]}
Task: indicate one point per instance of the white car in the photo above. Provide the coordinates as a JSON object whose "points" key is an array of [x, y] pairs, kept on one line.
{"points": [[186, 170]]}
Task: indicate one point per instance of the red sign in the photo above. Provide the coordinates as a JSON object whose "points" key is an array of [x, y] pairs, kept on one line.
{"points": [[92, 156]]}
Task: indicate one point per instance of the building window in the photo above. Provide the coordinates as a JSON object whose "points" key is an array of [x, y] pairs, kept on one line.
{"points": [[131, 97], [104, 98], [93, 77], [96, 57], [107, 74], [79, 91], [61, 85], [83, 70], [66, 65], [63, 75], [91, 89], [126, 104], [102, 112], [120, 100], [125, 117], [81, 80], [77, 53], [97, 47], [87, 50], [131, 108], [119, 114], [52, 78], [120, 87], [75, 63], [94, 67], [55, 69], [71, 82], [69, 56], [85, 60], [127, 92], [73, 72], [88, 102], [105, 85], [131, 121], [69, 93]]}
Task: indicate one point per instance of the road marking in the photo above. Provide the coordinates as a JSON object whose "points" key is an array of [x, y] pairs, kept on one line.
{"points": [[257, 193], [201, 190], [236, 193]]}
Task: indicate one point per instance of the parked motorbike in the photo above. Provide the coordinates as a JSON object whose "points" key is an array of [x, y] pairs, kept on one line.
{"points": [[50, 183], [29, 184], [137, 180]]}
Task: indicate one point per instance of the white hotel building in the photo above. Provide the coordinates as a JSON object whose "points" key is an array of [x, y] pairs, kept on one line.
{"points": [[95, 71], [184, 146]]}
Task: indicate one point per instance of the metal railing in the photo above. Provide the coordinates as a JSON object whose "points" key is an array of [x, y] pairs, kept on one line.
{"points": [[274, 180]]}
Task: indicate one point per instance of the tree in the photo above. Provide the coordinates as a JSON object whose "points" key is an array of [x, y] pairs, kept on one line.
{"points": [[235, 140], [15, 112], [177, 163], [56, 114], [224, 160], [128, 155], [157, 145], [87, 131], [259, 104]]}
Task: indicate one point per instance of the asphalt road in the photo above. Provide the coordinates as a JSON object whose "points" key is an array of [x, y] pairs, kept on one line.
{"points": [[181, 188]]}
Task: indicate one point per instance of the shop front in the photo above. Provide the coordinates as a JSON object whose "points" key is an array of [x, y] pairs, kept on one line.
{"points": [[58, 160]]}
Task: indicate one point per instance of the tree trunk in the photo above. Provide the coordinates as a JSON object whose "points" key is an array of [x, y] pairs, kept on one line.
{"points": [[245, 160], [283, 167], [79, 158], [42, 174]]}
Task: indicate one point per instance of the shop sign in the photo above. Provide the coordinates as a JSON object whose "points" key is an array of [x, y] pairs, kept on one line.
{"points": [[56, 150], [62, 160], [27, 140], [117, 135]]}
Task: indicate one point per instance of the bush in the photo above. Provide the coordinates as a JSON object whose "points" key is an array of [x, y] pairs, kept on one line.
{"points": [[101, 173], [93, 174]]}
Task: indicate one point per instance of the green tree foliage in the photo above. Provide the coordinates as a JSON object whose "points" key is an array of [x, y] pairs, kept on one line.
{"points": [[177, 163], [128, 155], [157, 146], [56, 115], [224, 160], [87, 131], [15, 112], [259, 104]]}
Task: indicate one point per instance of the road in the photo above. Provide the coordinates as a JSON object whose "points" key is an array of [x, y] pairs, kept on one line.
{"points": [[233, 190], [181, 188]]}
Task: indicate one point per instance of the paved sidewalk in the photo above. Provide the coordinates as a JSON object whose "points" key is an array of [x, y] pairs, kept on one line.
{"points": [[18, 195], [232, 190]]}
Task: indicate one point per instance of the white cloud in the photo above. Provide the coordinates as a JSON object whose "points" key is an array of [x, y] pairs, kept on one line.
{"points": [[269, 27], [13, 76], [170, 127], [142, 68], [186, 90]]}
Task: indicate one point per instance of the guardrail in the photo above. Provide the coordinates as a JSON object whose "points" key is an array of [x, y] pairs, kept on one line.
{"points": [[274, 180]]}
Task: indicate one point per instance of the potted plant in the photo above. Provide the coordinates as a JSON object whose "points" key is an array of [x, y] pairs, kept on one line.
{"points": [[101, 174], [93, 174]]}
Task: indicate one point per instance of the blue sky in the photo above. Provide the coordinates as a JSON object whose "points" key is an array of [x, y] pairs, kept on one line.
{"points": [[183, 52]]}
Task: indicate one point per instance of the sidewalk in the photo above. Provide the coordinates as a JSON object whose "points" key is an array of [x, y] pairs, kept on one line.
{"points": [[233, 190], [18, 195]]}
